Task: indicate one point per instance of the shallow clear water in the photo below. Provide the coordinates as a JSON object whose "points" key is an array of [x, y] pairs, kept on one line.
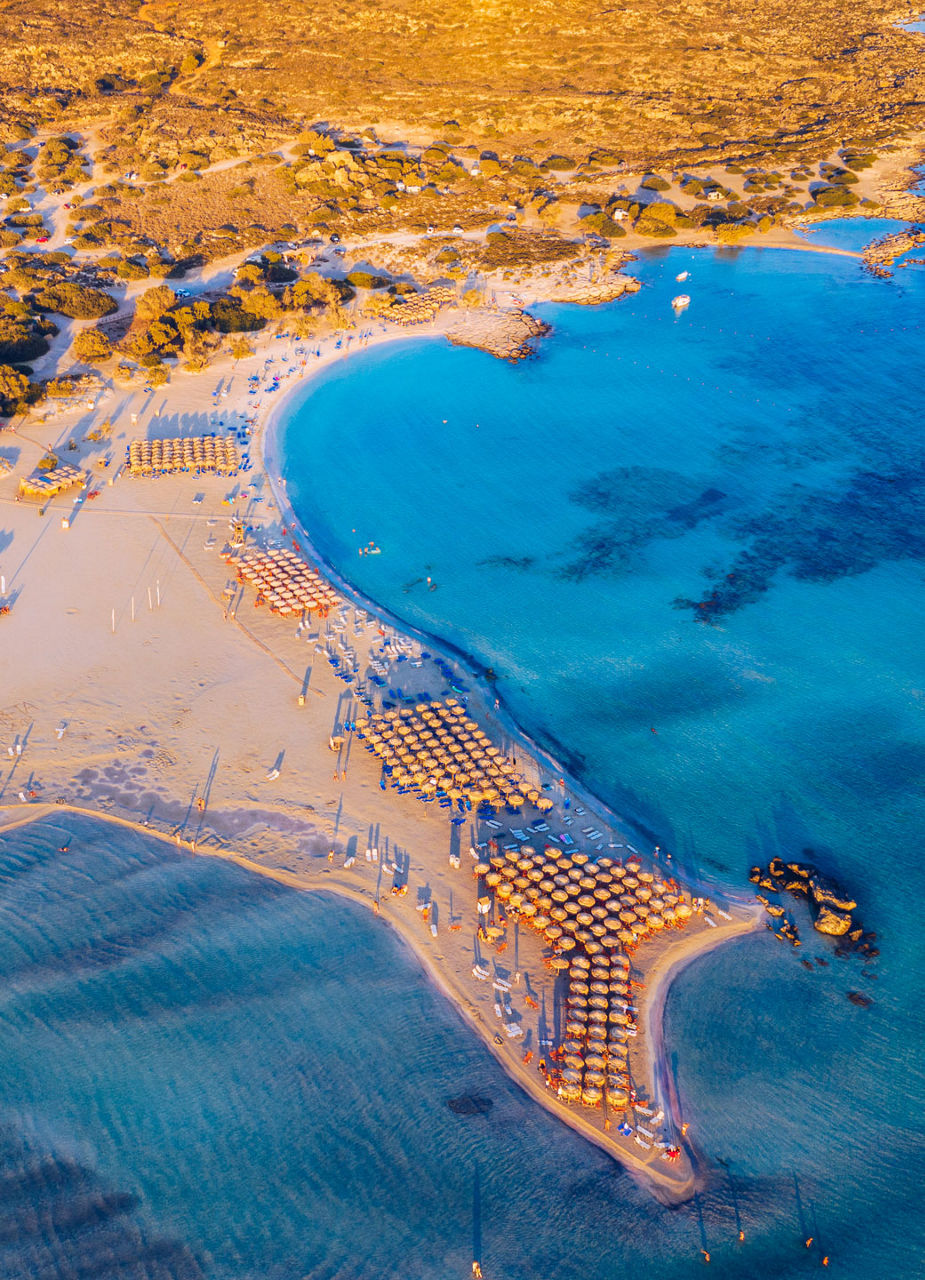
{"points": [[850, 233], [706, 525]]}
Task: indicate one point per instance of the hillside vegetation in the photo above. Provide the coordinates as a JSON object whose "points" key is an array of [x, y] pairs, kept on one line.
{"points": [[649, 82]]}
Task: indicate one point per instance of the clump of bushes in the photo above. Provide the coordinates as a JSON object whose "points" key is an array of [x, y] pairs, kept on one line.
{"points": [[603, 224], [92, 345], [835, 197], [658, 219], [78, 301], [366, 280]]}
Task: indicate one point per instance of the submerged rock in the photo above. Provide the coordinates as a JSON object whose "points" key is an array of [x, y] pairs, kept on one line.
{"points": [[469, 1104]]}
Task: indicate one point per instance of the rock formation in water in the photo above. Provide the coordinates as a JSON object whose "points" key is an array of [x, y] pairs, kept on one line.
{"points": [[831, 906]]}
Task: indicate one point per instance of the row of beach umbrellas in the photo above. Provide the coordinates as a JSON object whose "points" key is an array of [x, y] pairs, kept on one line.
{"points": [[437, 746], [594, 1052], [590, 914], [422, 307], [287, 583], [202, 453], [603, 905]]}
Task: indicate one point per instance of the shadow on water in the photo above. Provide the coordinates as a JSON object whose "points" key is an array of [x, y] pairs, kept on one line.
{"points": [[476, 1217]]}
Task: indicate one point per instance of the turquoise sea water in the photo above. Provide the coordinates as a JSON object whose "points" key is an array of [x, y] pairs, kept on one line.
{"points": [[850, 233], [205, 1075]]}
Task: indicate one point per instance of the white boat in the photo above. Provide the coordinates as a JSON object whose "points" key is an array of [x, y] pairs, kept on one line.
{"points": [[682, 276], [681, 301]]}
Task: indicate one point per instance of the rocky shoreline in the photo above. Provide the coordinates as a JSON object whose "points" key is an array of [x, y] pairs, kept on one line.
{"points": [[509, 335]]}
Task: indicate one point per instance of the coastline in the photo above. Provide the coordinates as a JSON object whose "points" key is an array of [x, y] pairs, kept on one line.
{"points": [[269, 444], [667, 1189], [326, 820]]}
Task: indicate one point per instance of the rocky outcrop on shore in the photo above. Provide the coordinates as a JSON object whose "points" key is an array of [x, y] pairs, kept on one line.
{"points": [[833, 909], [881, 254], [592, 295], [509, 335]]}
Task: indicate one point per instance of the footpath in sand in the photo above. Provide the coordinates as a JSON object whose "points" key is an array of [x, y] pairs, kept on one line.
{"points": [[143, 686]]}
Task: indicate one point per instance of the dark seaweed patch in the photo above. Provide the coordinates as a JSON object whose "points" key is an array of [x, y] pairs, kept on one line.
{"points": [[522, 563], [640, 505], [469, 1104], [54, 1208], [821, 536]]}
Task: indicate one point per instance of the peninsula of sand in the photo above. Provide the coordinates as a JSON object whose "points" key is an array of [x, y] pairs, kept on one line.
{"points": [[144, 687]]}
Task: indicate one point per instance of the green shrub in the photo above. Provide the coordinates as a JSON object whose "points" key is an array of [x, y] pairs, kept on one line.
{"points": [[76, 300], [647, 226], [131, 269], [603, 224], [559, 163], [91, 345], [835, 197], [654, 182], [843, 178], [732, 232], [228, 316], [366, 280]]}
